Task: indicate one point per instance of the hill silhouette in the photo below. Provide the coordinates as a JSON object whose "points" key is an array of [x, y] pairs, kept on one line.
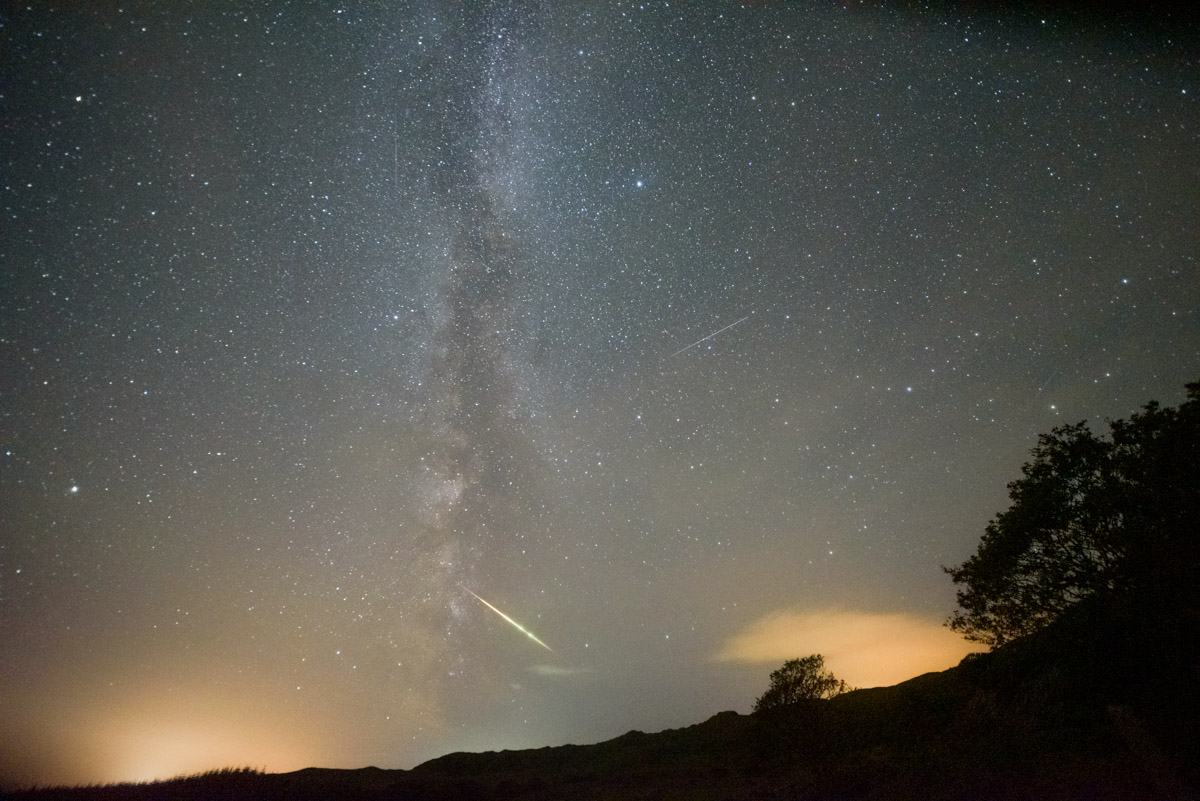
{"points": [[1102, 704]]}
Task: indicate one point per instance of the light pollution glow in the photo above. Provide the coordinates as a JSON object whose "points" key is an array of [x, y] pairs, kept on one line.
{"points": [[148, 733]]}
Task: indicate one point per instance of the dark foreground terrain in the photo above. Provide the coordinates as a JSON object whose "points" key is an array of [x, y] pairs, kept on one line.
{"points": [[1101, 705]]}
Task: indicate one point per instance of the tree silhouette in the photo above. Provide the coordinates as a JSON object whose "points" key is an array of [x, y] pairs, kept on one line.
{"points": [[1117, 517], [800, 680]]}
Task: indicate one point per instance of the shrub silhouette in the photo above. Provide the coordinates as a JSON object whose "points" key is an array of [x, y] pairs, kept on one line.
{"points": [[800, 680]]}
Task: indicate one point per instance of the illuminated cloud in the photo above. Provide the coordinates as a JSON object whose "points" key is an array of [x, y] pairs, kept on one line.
{"points": [[554, 671], [866, 649]]}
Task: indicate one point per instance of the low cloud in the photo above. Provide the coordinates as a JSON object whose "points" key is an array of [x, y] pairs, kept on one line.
{"points": [[866, 649], [554, 671]]}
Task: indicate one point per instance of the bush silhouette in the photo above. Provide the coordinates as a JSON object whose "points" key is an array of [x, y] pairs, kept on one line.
{"points": [[800, 680]]}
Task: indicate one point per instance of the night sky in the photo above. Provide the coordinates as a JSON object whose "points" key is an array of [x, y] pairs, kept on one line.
{"points": [[690, 337]]}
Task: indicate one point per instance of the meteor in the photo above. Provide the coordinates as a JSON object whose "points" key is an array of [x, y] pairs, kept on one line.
{"points": [[517, 625], [710, 336]]}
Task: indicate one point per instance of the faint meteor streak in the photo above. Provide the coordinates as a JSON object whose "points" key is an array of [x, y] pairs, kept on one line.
{"points": [[710, 336], [518, 626]]}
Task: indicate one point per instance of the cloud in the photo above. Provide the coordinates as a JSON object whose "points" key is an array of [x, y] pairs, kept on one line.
{"points": [[554, 671], [866, 649]]}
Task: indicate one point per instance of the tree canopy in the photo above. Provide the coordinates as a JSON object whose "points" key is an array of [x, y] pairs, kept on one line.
{"points": [[800, 680], [1117, 516]]}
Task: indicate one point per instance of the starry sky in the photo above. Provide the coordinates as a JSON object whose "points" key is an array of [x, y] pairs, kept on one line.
{"points": [[689, 337]]}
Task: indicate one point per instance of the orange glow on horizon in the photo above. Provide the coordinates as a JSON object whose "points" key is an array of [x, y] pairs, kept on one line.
{"points": [[165, 736], [156, 749]]}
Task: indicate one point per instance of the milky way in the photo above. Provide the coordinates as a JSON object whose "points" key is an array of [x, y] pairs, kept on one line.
{"points": [[475, 486]]}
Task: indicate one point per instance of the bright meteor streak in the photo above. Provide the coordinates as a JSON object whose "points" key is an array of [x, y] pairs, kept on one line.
{"points": [[518, 626], [710, 336]]}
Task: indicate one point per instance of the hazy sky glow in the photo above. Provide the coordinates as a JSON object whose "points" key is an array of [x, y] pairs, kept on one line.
{"points": [[692, 338]]}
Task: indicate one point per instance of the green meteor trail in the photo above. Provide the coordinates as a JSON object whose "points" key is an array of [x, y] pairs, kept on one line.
{"points": [[518, 626]]}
